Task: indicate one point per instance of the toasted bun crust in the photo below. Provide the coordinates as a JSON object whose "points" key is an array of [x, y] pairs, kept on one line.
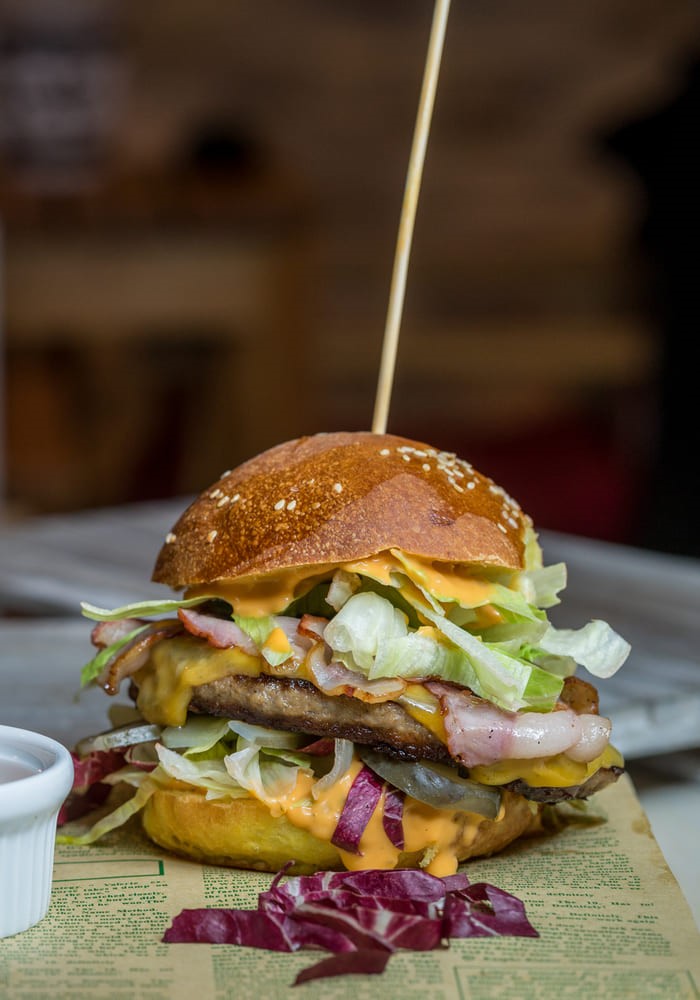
{"points": [[241, 833], [334, 498]]}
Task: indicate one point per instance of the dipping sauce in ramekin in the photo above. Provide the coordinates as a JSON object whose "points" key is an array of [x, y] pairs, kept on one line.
{"points": [[36, 774]]}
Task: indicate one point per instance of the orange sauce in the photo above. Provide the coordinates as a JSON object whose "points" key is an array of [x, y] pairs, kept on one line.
{"points": [[439, 833]]}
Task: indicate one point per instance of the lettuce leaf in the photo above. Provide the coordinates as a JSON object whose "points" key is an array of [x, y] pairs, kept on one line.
{"points": [[509, 682], [257, 629], [596, 647], [365, 621], [260, 630], [142, 609], [541, 586], [210, 774], [267, 779], [115, 819]]}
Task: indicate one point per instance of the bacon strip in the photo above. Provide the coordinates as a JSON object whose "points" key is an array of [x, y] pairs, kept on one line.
{"points": [[105, 633], [580, 695], [223, 633], [334, 678], [312, 626], [131, 657], [478, 733]]}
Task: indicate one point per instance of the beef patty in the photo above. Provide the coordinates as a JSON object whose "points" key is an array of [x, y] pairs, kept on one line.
{"points": [[295, 705]]}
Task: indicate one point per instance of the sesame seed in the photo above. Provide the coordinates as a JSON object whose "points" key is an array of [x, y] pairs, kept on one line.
{"points": [[236, 498], [459, 488], [406, 458], [316, 505], [338, 487], [503, 528], [471, 484], [170, 538], [279, 505], [224, 474], [426, 467], [216, 493], [212, 535], [291, 505], [224, 500], [385, 451]]}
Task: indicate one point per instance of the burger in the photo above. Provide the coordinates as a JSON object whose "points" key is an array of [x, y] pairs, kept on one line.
{"points": [[357, 670]]}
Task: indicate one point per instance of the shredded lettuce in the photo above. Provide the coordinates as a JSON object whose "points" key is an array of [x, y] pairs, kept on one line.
{"points": [[514, 636], [268, 778], [541, 586], [210, 774], [257, 629], [115, 819], [260, 630], [533, 550], [362, 624], [343, 586], [595, 646], [507, 681], [369, 635], [505, 599], [417, 655]]}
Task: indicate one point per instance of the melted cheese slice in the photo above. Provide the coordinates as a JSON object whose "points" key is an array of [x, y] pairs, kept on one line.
{"points": [[176, 666], [548, 772]]}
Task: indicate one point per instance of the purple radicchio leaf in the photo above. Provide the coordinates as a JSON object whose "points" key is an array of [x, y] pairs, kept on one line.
{"points": [[366, 962], [393, 817], [361, 802], [483, 910]]}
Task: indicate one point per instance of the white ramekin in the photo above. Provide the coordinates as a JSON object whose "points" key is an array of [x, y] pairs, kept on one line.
{"points": [[41, 775]]}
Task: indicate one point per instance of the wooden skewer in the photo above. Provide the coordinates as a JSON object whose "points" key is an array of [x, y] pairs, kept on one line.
{"points": [[408, 215]]}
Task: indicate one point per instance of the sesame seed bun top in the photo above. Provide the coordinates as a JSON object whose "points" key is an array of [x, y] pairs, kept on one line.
{"points": [[334, 498]]}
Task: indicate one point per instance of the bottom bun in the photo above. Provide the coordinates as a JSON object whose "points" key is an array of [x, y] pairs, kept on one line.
{"points": [[242, 833]]}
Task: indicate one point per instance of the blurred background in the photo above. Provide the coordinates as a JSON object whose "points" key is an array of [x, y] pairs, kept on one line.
{"points": [[198, 211]]}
